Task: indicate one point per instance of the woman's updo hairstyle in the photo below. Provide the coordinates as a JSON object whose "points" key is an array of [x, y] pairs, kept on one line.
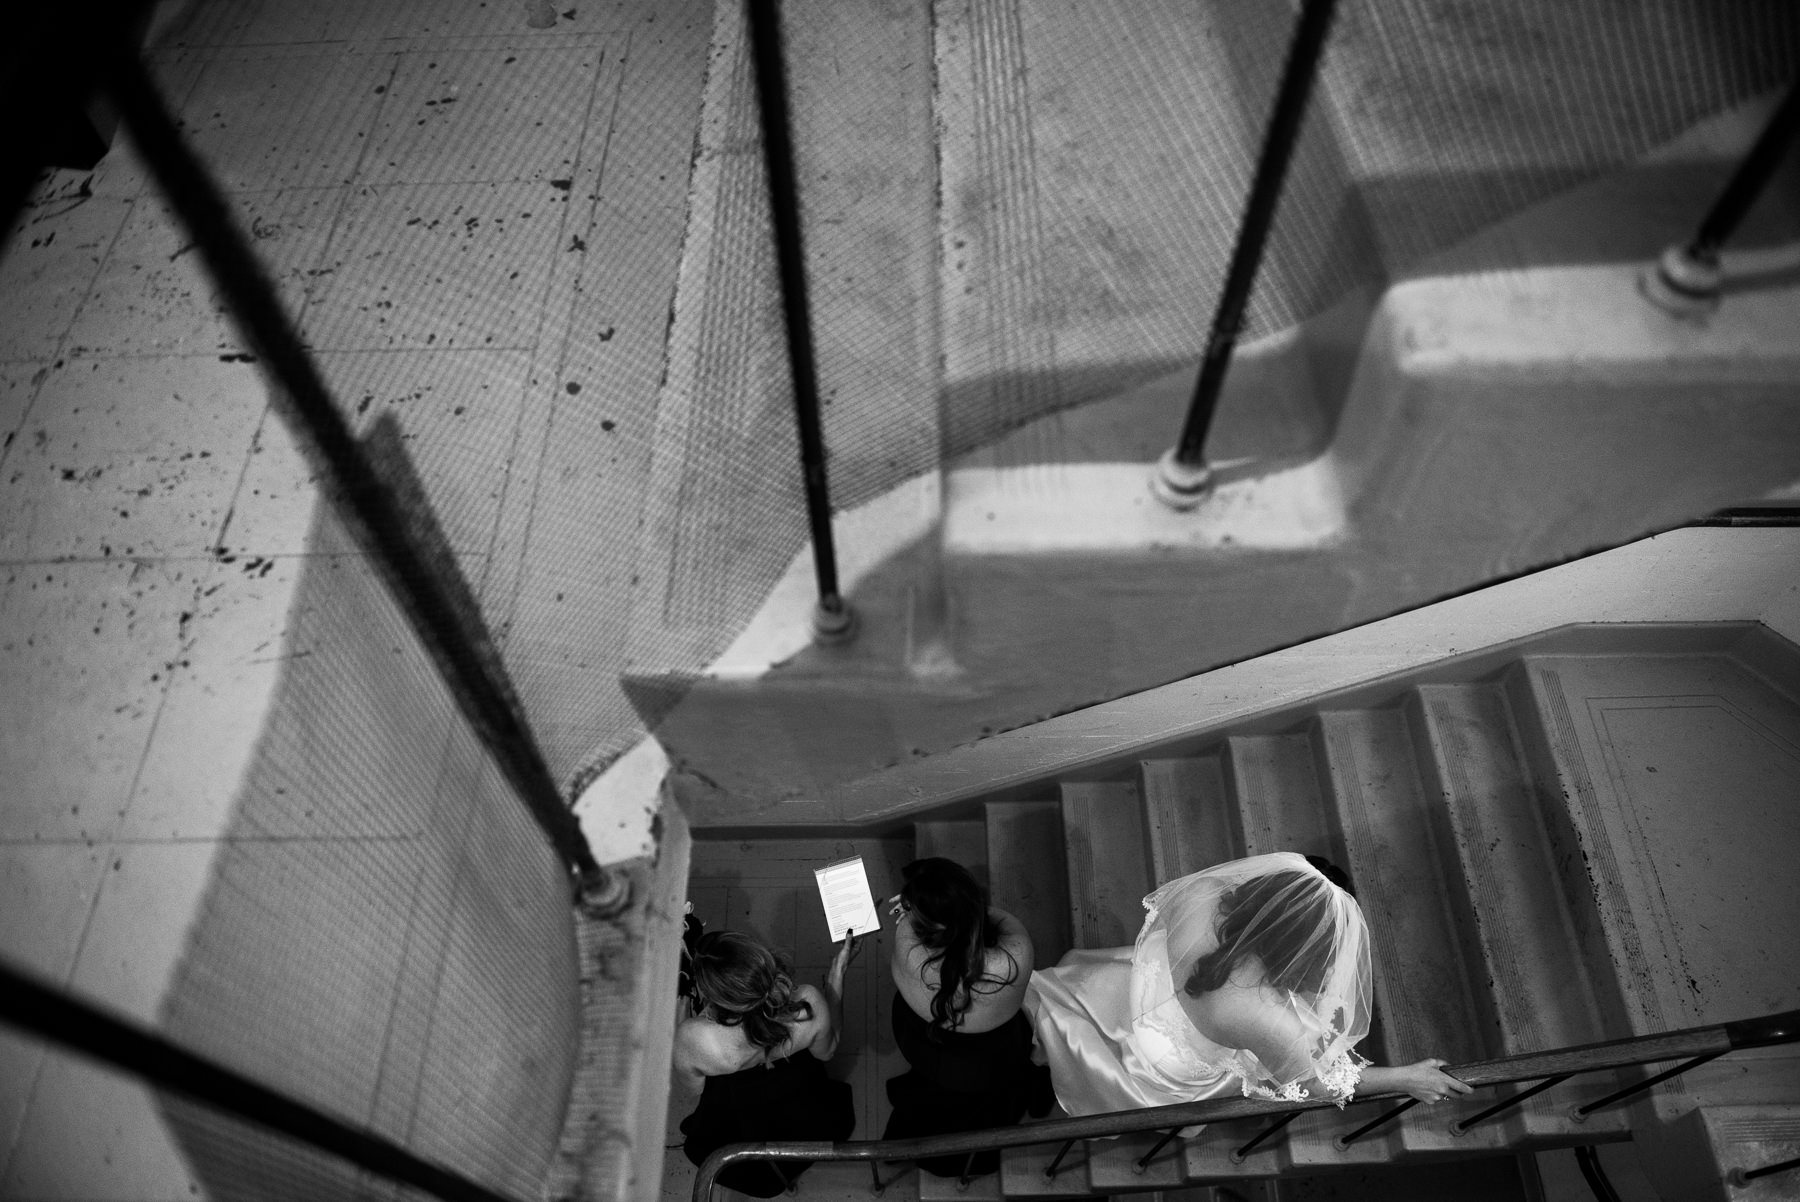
{"points": [[1287, 920], [738, 982], [949, 914]]}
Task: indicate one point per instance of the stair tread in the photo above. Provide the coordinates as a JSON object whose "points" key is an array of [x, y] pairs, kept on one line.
{"points": [[932, 1188], [1109, 870], [961, 839], [1275, 783], [1188, 815], [1022, 1172], [1422, 984], [1025, 860], [1112, 1163], [1540, 981], [1207, 1156]]}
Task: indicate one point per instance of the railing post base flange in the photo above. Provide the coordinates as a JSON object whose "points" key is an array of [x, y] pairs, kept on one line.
{"points": [[833, 626], [1683, 283], [602, 893], [1179, 485]]}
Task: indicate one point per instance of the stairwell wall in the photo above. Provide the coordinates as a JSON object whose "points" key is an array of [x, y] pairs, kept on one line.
{"points": [[1700, 574]]}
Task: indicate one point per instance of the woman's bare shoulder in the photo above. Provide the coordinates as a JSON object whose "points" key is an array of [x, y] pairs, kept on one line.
{"points": [[1014, 938], [708, 1048]]}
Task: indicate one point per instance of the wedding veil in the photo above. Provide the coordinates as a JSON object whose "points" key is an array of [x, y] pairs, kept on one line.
{"points": [[1272, 942]]}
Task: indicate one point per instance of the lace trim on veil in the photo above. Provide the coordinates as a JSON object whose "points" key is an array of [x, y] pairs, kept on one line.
{"points": [[1339, 1077]]}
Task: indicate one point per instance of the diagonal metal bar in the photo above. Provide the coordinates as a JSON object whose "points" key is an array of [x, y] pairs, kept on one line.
{"points": [[1183, 469], [1240, 1154], [1741, 1177], [790, 262], [1056, 1161], [1747, 181], [1143, 1162], [1386, 1116], [73, 1023], [1581, 1112], [1501, 1107], [876, 1185], [369, 507], [968, 1171]]}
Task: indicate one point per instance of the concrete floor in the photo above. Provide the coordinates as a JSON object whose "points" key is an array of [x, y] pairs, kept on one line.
{"points": [[476, 224]]}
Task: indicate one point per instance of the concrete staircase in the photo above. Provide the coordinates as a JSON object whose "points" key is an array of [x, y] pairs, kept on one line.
{"points": [[1449, 376], [1515, 839]]}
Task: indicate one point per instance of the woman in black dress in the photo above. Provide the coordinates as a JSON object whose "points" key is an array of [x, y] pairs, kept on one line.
{"points": [[754, 1043], [960, 967]]}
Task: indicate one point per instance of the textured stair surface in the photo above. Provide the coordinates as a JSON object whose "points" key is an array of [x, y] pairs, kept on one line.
{"points": [[1421, 981], [1540, 987], [1276, 783], [963, 840], [1189, 816], [950, 1189], [1029, 877], [1109, 869], [1112, 1164]]}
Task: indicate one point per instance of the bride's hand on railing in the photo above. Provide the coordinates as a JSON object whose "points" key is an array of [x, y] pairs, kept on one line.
{"points": [[1427, 1081]]}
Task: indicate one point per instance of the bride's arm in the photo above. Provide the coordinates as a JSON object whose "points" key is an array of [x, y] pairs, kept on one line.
{"points": [[1235, 1018], [1425, 1080]]}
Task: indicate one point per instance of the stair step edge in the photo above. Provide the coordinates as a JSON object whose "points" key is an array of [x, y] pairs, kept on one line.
{"points": [[1108, 863], [1540, 981], [1424, 986], [1188, 815]]}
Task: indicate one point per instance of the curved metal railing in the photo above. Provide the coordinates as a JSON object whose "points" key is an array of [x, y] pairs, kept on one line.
{"points": [[1692, 1046]]}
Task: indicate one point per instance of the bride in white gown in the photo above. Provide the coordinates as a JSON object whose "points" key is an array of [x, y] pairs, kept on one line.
{"points": [[1250, 978]]}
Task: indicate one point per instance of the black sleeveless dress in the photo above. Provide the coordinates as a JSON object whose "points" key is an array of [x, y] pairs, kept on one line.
{"points": [[963, 1082], [786, 1099]]}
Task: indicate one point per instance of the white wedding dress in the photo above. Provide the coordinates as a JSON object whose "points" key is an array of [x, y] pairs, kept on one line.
{"points": [[1111, 1025]]}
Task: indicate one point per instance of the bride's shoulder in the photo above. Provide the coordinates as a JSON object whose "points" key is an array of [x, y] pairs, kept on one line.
{"points": [[1240, 1015]]}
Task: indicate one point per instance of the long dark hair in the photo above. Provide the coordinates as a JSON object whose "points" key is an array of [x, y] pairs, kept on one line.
{"points": [[950, 917], [1285, 920], [738, 982]]}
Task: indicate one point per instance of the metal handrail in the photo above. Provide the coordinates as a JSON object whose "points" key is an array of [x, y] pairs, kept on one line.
{"points": [[1693, 1043]]}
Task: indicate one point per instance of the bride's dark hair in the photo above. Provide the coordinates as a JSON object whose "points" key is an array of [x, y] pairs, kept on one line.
{"points": [[738, 982], [1284, 919], [950, 917]]}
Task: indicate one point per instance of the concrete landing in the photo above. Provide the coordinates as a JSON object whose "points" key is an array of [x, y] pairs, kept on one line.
{"points": [[1682, 775]]}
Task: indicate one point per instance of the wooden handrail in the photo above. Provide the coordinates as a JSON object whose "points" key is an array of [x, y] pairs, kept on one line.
{"points": [[1690, 1042]]}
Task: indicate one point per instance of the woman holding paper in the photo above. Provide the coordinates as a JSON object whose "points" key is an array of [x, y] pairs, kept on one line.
{"points": [[755, 1043], [961, 968]]}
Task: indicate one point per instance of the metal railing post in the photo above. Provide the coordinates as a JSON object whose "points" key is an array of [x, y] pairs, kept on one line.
{"points": [[1688, 278], [1580, 1113], [73, 1023], [1743, 1177], [1242, 1152], [375, 519], [833, 620], [1183, 478]]}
